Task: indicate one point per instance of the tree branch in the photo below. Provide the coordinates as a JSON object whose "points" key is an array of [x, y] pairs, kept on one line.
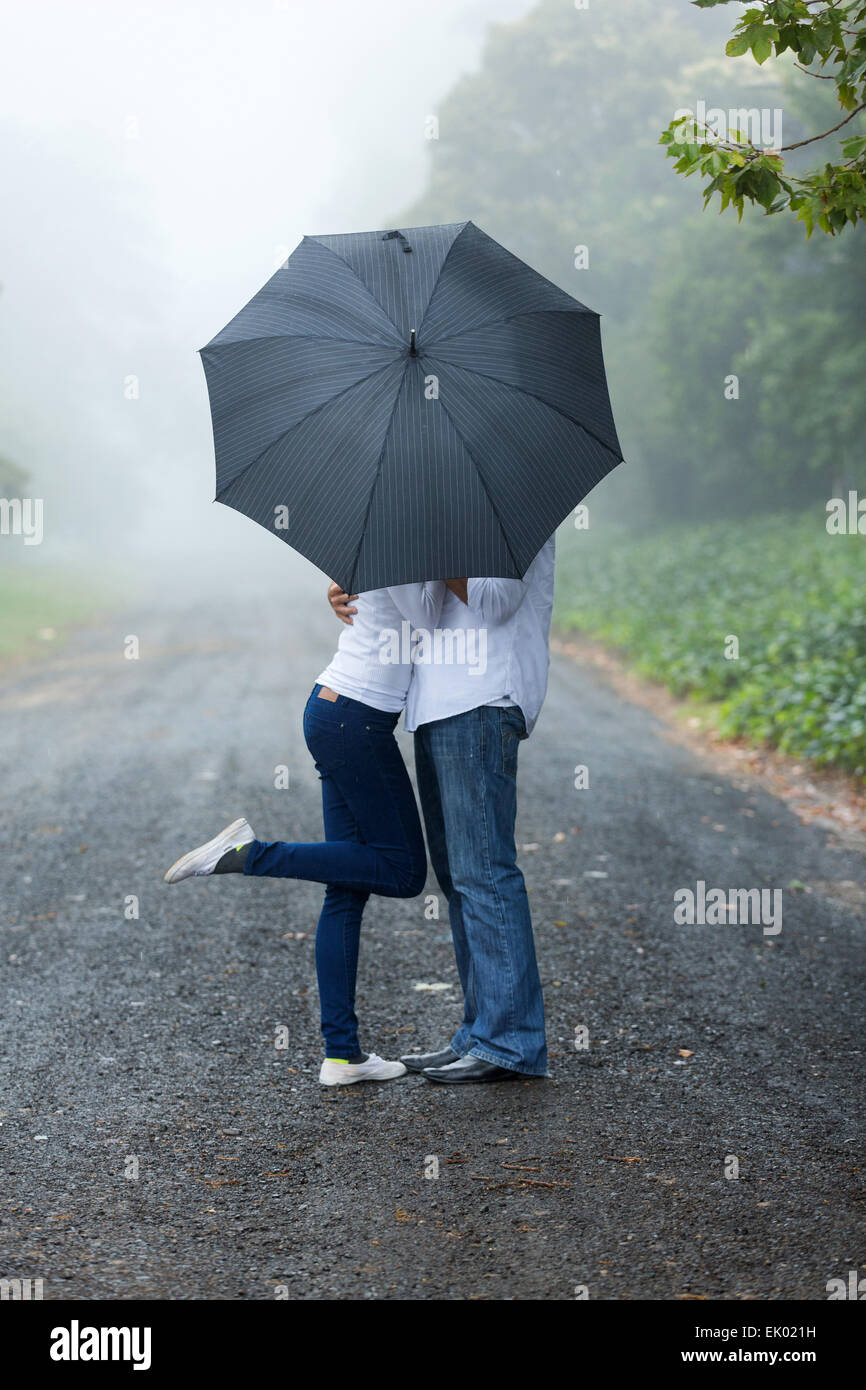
{"points": [[798, 144], [824, 76]]}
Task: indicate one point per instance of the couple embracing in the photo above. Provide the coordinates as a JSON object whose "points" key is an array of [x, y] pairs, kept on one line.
{"points": [[468, 720]]}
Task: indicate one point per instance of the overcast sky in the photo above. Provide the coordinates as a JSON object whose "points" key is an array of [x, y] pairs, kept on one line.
{"points": [[157, 161]]}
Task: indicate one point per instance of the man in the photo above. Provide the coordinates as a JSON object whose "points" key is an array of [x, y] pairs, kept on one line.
{"points": [[469, 716]]}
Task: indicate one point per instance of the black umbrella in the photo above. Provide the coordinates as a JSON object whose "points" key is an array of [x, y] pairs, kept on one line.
{"points": [[410, 405]]}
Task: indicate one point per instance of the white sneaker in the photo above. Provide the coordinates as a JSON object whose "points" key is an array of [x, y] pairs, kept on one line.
{"points": [[345, 1073], [205, 859]]}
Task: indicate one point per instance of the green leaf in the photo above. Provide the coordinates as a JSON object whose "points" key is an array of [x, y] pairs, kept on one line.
{"points": [[761, 48], [737, 46], [847, 95]]}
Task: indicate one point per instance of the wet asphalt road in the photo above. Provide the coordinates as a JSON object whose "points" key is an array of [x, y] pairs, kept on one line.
{"points": [[156, 1144]]}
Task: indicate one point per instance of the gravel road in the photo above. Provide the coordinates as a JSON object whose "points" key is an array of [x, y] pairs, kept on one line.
{"points": [[157, 1143]]}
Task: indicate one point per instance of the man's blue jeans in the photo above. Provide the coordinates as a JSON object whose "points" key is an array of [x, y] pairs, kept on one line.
{"points": [[373, 844], [467, 780]]}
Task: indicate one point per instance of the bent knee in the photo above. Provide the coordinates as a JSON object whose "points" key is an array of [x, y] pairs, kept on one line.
{"points": [[411, 880], [411, 887]]}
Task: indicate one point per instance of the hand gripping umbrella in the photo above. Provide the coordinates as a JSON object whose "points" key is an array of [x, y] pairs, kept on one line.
{"points": [[410, 405]]}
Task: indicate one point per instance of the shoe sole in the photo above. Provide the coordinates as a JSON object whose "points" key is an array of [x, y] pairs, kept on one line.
{"points": [[174, 876], [472, 1080], [358, 1080]]}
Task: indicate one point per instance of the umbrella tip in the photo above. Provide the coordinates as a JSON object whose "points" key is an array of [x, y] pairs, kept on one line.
{"points": [[390, 236], [413, 351]]}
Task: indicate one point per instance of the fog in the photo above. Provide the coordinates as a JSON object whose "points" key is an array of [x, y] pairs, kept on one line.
{"points": [[159, 161]]}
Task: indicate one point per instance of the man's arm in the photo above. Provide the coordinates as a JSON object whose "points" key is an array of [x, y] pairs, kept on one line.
{"points": [[495, 599], [420, 603]]}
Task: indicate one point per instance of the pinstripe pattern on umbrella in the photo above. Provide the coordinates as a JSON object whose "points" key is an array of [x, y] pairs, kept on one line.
{"points": [[386, 458]]}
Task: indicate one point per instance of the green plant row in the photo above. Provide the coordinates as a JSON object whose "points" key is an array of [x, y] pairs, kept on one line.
{"points": [[784, 595]]}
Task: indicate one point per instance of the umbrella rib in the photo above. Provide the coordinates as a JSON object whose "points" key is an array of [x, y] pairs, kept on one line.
{"points": [[509, 318], [510, 386], [298, 337], [255, 396], [445, 261], [366, 288], [308, 416], [483, 484], [378, 475]]}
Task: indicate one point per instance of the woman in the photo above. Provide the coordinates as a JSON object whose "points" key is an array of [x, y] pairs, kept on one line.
{"points": [[373, 839]]}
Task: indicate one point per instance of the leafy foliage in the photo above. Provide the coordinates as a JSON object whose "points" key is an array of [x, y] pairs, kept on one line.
{"points": [[792, 595], [832, 197]]}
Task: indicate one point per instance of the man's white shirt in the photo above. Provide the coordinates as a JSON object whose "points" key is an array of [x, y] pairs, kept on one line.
{"points": [[421, 644], [502, 633]]}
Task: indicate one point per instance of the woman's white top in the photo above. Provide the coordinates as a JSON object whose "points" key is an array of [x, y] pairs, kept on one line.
{"points": [[373, 660]]}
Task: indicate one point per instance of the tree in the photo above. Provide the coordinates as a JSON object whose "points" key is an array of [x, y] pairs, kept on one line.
{"points": [[552, 143], [832, 197], [12, 478]]}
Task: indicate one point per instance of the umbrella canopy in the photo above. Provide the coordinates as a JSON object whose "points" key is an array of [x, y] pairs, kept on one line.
{"points": [[409, 405]]}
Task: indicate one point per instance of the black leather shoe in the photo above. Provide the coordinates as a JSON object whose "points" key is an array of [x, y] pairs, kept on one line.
{"points": [[417, 1061], [468, 1069]]}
